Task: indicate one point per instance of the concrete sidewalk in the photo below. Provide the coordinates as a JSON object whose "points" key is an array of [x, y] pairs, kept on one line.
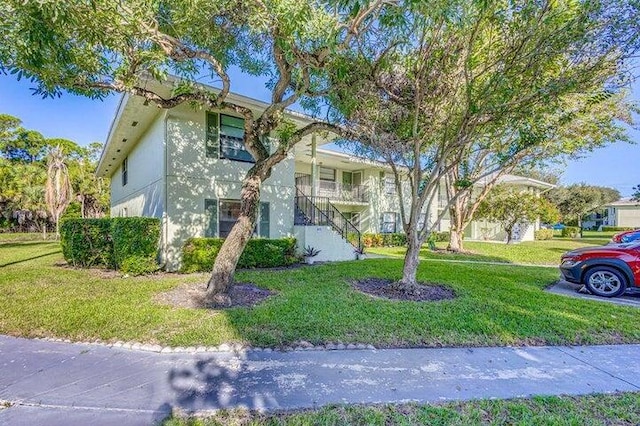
{"points": [[57, 383]]}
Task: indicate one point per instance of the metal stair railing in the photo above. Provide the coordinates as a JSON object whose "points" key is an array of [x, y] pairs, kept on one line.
{"points": [[319, 211]]}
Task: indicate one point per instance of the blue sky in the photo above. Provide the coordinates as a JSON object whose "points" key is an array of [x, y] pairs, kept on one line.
{"points": [[84, 120]]}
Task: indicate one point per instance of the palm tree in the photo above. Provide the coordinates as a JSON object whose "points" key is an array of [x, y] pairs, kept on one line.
{"points": [[58, 191]]}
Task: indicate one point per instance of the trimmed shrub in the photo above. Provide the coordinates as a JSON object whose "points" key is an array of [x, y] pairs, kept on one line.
{"points": [[198, 254], [616, 228], [384, 240], [570, 231], [135, 237], [442, 237], [139, 265], [87, 242], [543, 234], [126, 243], [397, 239]]}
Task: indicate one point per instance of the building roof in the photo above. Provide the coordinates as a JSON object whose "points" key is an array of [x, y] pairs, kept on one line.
{"points": [[134, 115], [628, 201]]}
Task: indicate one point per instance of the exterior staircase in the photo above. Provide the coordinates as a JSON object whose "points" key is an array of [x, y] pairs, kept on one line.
{"points": [[318, 211]]}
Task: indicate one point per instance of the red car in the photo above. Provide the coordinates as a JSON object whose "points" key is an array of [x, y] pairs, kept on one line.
{"points": [[607, 271]]}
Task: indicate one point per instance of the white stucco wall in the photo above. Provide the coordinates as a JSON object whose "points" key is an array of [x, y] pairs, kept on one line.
{"points": [[192, 178], [331, 245], [143, 195], [628, 216]]}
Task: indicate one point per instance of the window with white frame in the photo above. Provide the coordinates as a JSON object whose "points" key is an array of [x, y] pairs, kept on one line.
{"points": [[389, 222], [389, 184], [221, 215], [327, 174], [225, 138]]}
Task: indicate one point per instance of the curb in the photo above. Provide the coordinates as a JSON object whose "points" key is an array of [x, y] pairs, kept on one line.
{"points": [[301, 346]]}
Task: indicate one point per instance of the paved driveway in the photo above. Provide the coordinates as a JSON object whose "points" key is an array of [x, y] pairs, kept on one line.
{"points": [[569, 289]]}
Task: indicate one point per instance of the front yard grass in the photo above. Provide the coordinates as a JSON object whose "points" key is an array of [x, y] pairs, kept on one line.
{"points": [[529, 252], [619, 409], [503, 305]]}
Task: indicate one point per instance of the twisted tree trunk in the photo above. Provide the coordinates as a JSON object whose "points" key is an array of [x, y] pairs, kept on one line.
{"points": [[226, 261]]}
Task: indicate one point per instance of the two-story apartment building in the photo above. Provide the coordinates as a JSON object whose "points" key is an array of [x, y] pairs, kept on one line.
{"points": [[186, 165], [623, 213]]}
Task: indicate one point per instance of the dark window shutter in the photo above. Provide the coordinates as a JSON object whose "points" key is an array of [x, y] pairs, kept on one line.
{"points": [[264, 220], [211, 218], [212, 145]]}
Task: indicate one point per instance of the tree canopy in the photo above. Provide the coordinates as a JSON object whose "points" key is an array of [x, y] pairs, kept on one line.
{"points": [[512, 206], [454, 85], [23, 177], [575, 201]]}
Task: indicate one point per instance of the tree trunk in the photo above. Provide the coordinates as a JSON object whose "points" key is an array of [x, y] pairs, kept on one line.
{"points": [[580, 225], [409, 283], [509, 232], [226, 261], [455, 241]]}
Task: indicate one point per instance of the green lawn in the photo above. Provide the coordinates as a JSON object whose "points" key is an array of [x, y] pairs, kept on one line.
{"points": [[31, 236], [495, 306], [529, 252], [620, 409]]}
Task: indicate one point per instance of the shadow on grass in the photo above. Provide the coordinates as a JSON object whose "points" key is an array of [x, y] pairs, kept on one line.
{"points": [[2, 265], [14, 244]]}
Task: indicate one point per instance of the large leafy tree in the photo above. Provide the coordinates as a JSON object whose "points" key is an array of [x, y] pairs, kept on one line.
{"points": [[580, 124], [575, 201], [636, 193], [460, 76], [512, 207], [93, 48]]}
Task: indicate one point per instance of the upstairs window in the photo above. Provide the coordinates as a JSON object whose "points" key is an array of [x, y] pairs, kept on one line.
{"points": [[389, 184], [225, 138], [125, 171], [327, 174]]}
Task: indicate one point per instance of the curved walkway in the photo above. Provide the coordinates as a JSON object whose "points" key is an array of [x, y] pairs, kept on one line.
{"points": [[60, 383]]}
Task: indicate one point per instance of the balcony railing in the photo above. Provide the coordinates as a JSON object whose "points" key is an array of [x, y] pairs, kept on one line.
{"points": [[335, 191]]}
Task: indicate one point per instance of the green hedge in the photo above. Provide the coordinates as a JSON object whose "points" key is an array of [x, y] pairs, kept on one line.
{"points": [[135, 237], [87, 242], [126, 243], [543, 234], [570, 231], [384, 240], [442, 236], [198, 254], [616, 228], [395, 240]]}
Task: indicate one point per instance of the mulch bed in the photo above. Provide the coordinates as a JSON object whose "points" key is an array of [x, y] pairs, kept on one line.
{"points": [[384, 288], [193, 296]]}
